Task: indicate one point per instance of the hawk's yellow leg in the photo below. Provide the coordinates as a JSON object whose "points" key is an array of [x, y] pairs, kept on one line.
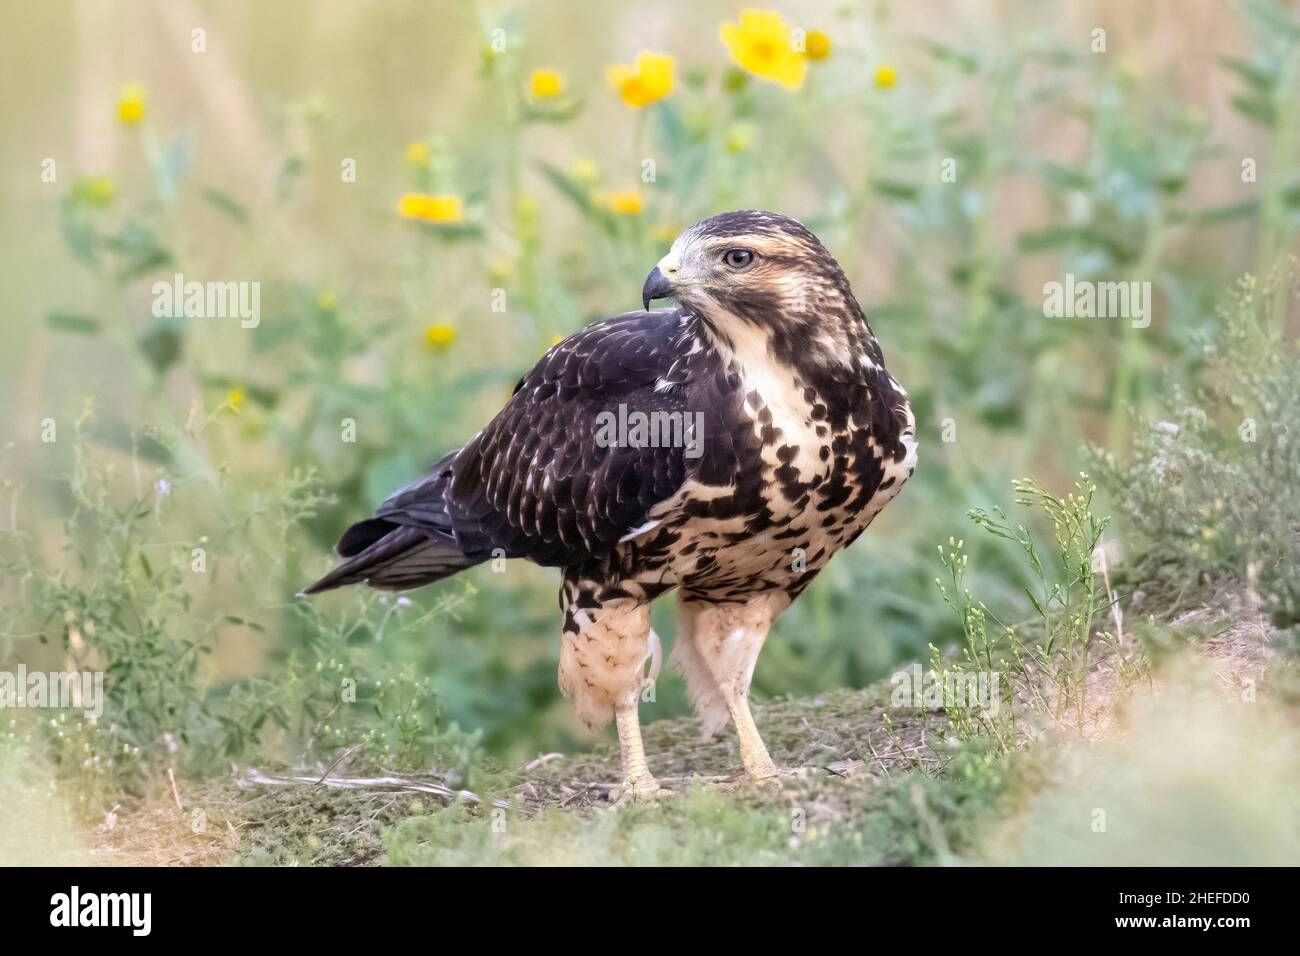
{"points": [[753, 752], [638, 782]]}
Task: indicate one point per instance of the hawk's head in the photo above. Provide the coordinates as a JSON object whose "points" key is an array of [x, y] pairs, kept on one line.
{"points": [[754, 271]]}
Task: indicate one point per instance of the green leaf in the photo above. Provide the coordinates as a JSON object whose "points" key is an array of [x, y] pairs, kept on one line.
{"points": [[963, 61], [560, 114], [1258, 108], [156, 259], [137, 249], [1087, 237], [896, 190], [80, 235], [1043, 240], [70, 322], [454, 231], [116, 434], [287, 179], [1069, 177], [1257, 78], [162, 344], [1227, 212], [1034, 601], [672, 128], [226, 204], [271, 334], [572, 190], [1272, 19], [578, 194]]}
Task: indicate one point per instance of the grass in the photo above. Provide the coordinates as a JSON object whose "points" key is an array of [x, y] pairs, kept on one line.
{"points": [[913, 796]]}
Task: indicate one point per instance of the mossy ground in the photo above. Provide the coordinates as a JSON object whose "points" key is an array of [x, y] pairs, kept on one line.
{"points": [[865, 796], [871, 793]]}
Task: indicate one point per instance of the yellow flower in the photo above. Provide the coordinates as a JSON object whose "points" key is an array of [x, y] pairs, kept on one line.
{"points": [[544, 84], [439, 336], [761, 45], [886, 77], [235, 398], [556, 340], [327, 302], [130, 104], [816, 45], [648, 82], [429, 208], [625, 202], [417, 154]]}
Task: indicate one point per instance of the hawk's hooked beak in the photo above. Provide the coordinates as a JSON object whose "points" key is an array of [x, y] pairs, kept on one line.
{"points": [[657, 286]]}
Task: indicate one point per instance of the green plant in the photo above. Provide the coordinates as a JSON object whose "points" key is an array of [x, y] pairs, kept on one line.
{"points": [[130, 595], [1208, 495], [1048, 659]]}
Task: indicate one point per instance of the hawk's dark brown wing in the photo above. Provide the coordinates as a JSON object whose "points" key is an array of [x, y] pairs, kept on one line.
{"points": [[539, 482]]}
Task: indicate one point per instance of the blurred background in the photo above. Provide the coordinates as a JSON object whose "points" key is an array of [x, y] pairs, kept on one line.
{"points": [[430, 193]]}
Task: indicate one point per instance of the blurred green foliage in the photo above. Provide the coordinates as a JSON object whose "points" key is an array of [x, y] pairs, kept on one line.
{"points": [[1212, 490]]}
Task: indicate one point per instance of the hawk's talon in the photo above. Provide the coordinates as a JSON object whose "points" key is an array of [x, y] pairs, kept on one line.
{"points": [[762, 778], [640, 790], [778, 774]]}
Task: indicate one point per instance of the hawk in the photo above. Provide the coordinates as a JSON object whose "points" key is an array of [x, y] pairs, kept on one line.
{"points": [[726, 448]]}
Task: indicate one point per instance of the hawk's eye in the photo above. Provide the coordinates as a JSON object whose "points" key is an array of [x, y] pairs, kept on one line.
{"points": [[738, 258]]}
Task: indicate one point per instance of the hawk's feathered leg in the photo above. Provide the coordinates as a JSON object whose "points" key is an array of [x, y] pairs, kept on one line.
{"points": [[606, 645], [716, 650]]}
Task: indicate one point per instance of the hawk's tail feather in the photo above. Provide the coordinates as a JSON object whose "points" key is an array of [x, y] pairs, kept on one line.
{"points": [[392, 557], [362, 535]]}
